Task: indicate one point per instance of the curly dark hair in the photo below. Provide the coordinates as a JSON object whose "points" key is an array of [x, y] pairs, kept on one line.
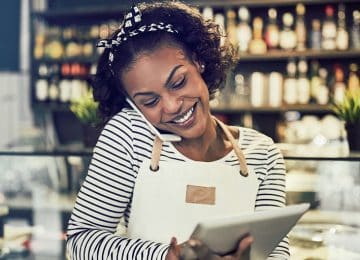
{"points": [[198, 37]]}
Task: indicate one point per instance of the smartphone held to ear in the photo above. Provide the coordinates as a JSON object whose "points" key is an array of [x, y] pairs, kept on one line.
{"points": [[165, 137]]}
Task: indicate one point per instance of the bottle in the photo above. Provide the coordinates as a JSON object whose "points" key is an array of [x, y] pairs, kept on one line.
{"points": [[315, 41], [290, 84], [41, 84], [353, 81], [257, 88], [355, 30], [287, 35], [272, 33], [314, 80], [244, 33], [328, 32], [275, 89], [40, 38], [88, 47], [339, 86], [303, 83], [53, 90], [54, 48], [342, 36], [219, 19], [257, 44], [208, 13], [300, 27], [322, 97], [241, 91], [231, 27]]}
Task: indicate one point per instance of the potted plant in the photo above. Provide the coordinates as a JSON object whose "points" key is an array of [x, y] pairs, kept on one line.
{"points": [[86, 110], [349, 111]]}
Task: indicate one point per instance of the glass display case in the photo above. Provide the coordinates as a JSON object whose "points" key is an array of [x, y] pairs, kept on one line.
{"points": [[38, 187]]}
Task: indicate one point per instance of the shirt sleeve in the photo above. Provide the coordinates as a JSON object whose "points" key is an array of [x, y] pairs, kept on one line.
{"points": [[272, 194], [103, 200]]}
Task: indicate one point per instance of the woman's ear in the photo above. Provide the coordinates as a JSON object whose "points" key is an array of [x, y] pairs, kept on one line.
{"points": [[199, 65]]}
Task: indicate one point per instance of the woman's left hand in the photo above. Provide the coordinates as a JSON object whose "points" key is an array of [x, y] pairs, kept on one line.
{"points": [[195, 249]]}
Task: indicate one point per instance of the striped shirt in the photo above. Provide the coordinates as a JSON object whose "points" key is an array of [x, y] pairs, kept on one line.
{"points": [[106, 194]]}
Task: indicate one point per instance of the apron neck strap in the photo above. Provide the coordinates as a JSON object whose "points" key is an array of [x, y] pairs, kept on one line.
{"points": [[235, 145], [155, 156]]}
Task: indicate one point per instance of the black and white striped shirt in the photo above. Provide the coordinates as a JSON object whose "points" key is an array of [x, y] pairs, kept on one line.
{"points": [[105, 196]]}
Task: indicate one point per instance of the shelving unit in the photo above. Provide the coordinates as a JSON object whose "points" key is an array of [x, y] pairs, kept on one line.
{"points": [[265, 117]]}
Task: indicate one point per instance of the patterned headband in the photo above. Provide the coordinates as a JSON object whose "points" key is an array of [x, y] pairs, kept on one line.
{"points": [[130, 28]]}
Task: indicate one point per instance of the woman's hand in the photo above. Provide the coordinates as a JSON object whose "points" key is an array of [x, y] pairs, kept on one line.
{"points": [[194, 249]]}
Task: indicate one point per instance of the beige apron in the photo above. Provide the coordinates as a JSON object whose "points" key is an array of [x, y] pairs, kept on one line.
{"points": [[172, 200]]}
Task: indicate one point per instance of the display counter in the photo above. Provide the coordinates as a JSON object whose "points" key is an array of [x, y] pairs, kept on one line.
{"points": [[39, 188]]}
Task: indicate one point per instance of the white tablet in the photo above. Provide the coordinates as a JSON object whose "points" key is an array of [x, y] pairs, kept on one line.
{"points": [[268, 228]]}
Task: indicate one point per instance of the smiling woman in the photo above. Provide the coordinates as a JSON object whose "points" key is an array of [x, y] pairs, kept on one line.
{"points": [[168, 62]]}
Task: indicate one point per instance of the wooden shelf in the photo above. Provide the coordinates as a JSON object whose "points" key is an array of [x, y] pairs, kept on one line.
{"points": [[313, 108], [263, 3], [94, 11], [284, 55]]}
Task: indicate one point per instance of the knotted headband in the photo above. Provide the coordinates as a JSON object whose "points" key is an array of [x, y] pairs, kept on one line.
{"points": [[131, 27]]}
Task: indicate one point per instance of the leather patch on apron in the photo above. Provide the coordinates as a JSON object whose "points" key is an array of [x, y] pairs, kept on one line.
{"points": [[200, 195]]}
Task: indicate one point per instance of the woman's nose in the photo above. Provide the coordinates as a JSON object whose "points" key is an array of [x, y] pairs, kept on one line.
{"points": [[172, 105]]}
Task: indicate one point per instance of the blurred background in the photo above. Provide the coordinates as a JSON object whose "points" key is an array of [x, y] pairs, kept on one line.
{"points": [[296, 80]]}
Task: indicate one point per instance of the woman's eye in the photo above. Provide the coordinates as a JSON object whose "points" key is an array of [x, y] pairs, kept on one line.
{"points": [[151, 103], [179, 83]]}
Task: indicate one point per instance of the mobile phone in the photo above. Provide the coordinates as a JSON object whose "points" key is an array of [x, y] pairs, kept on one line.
{"points": [[165, 137]]}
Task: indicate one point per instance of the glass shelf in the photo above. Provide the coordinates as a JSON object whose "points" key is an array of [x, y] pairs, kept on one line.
{"points": [[80, 150]]}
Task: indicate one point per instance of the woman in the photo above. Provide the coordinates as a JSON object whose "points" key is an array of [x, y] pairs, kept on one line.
{"points": [[169, 63]]}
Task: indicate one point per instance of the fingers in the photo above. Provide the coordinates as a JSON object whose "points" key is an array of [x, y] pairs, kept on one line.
{"points": [[245, 243], [244, 248], [174, 250]]}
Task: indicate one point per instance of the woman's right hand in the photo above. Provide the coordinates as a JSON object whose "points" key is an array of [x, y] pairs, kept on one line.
{"points": [[194, 249]]}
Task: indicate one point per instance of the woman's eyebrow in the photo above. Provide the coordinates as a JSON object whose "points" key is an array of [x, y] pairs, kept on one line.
{"points": [[172, 74]]}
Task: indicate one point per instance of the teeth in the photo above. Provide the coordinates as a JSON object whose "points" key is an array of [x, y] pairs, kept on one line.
{"points": [[185, 117]]}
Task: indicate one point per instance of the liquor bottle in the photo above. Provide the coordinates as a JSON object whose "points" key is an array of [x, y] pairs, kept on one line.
{"points": [[41, 84], [323, 91], [328, 32], [303, 83], [272, 33], [314, 80], [342, 36], [53, 90], [231, 28], [208, 13], [88, 48], [244, 33], [257, 88], [353, 81], [257, 44], [219, 19], [287, 34], [73, 46], [290, 83], [40, 38], [275, 89], [65, 90], [339, 86], [355, 30], [315, 41], [300, 27], [241, 92]]}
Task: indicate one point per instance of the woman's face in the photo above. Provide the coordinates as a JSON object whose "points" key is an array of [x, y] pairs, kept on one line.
{"points": [[169, 90]]}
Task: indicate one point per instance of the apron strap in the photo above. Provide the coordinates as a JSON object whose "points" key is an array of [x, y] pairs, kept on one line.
{"points": [[240, 155], [155, 156]]}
